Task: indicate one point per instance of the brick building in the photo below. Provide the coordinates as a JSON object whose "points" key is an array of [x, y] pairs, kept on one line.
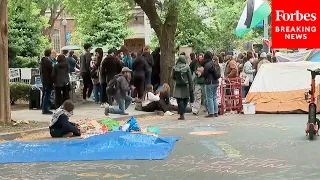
{"points": [[65, 26]]}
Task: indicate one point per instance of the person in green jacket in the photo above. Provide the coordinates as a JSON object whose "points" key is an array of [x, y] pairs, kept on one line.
{"points": [[199, 92]]}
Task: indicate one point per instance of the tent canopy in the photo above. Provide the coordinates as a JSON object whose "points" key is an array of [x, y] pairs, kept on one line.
{"points": [[306, 55], [280, 87]]}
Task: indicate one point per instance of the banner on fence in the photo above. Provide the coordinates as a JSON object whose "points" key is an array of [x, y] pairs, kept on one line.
{"points": [[14, 73]]}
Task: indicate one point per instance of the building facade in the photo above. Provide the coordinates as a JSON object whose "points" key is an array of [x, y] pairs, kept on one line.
{"points": [[62, 30], [141, 28], [64, 27]]}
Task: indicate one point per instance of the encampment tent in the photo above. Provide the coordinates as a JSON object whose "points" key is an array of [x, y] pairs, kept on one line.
{"points": [[280, 87], [306, 55]]}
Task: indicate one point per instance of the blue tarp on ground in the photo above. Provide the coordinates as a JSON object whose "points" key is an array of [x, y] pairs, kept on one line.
{"points": [[110, 146]]}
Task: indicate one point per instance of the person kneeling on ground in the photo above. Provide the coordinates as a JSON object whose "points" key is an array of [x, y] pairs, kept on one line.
{"points": [[153, 102], [119, 88], [60, 126]]}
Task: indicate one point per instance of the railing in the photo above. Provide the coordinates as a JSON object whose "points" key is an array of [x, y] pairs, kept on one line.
{"points": [[23, 75]]}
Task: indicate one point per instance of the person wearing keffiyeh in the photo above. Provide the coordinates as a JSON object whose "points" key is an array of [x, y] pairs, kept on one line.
{"points": [[60, 126]]}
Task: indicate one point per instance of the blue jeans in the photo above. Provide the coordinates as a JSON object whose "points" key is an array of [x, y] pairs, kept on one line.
{"points": [[97, 93], [243, 88], [211, 94], [46, 93], [123, 103]]}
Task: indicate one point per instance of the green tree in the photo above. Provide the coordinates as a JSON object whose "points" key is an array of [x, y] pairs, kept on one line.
{"points": [[163, 17], [25, 32], [100, 22], [55, 9], [194, 25]]}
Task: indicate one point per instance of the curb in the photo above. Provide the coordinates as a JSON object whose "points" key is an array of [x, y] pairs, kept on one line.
{"points": [[13, 135]]}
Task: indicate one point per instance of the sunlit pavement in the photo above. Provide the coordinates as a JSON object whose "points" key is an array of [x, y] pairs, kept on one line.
{"points": [[264, 147]]}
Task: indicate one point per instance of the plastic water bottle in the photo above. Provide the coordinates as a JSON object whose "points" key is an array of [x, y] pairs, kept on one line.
{"points": [[125, 127]]}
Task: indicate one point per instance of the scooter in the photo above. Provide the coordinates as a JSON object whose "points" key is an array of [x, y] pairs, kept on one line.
{"points": [[313, 123]]}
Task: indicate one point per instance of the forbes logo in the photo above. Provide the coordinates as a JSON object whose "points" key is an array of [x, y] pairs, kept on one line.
{"points": [[297, 16]]}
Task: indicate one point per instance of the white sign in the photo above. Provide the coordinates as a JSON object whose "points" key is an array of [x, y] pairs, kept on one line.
{"points": [[14, 73]]}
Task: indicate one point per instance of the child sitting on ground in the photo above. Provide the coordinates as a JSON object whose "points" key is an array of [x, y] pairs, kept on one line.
{"points": [[60, 126]]}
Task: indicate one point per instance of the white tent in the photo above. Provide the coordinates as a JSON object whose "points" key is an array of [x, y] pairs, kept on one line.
{"points": [[280, 87]]}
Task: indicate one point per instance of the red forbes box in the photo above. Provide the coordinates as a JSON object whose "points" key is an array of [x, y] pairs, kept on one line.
{"points": [[295, 24]]}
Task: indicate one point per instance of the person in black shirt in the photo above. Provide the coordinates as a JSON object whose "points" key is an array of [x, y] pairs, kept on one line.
{"points": [[61, 80], [85, 60], [60, 126], [47, 82]]}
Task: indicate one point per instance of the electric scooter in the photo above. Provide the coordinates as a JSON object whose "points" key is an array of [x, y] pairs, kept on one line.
{"points": [[313, 123]]}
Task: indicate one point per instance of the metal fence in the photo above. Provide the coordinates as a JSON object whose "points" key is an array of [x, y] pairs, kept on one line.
{"points": [[23, 75]]}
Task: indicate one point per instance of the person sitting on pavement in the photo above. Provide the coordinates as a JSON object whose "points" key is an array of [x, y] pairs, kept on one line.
{"points": [[60, 126], [164, 91], [122, 88], [152, 102]]}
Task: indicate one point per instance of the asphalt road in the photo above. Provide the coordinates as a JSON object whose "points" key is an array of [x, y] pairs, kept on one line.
{"points": [[263, 147]]}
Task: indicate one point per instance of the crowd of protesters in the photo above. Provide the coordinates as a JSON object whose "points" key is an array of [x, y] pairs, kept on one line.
{"points": [[127, 77]]}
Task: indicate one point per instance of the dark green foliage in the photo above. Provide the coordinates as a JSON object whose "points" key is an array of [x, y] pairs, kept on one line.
{"points": [[19, 91]]}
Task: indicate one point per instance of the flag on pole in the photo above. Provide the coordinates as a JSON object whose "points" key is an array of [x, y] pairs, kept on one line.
{"points": [[254, 12]]}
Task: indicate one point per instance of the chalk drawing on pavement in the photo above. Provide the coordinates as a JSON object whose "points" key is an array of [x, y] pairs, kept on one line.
{"points": [[235, 166], [211, 146], [104, 175], [208, 133], [206, 128], [228, 149]]}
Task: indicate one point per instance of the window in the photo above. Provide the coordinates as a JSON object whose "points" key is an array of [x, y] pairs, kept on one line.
{"points": [[56, 40]]}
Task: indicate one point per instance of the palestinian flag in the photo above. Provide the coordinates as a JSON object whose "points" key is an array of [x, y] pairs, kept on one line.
{"points": [[254, 12]]}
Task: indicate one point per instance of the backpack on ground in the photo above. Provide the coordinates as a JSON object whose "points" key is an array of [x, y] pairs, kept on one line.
{"points": [[181, 76], [113, 86], [216, 70]]}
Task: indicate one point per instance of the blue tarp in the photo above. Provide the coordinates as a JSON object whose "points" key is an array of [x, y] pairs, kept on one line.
{"points": [[110, 146]]}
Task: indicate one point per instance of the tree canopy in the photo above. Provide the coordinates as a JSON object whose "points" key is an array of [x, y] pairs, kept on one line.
{"points": [[100, 22], [25, 31]]}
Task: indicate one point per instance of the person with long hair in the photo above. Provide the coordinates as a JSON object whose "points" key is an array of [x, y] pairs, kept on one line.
{"points": [[151, 102], [199, 89], [155, 75], [146, 54], [139, 68], [95, 71], [211, 85], [61, 80], [249, 71]]}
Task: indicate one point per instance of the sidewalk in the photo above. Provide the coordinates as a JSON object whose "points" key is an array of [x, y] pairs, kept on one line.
{"points": [[87, 110]]}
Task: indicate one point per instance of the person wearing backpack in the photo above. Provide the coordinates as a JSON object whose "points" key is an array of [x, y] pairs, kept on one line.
{"points": [[119, 88], [211, 73], [183, 85]]}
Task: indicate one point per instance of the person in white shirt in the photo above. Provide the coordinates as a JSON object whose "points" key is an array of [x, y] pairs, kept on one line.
{"points": [[151, 102]]}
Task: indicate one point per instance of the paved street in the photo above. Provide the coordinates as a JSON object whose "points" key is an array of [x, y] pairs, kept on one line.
{"points": [[86, 110], [263, 147]]}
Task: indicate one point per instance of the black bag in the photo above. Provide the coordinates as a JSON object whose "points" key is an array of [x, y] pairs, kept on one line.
{"points": [[216, 70], [113, 86], [181, 76]]}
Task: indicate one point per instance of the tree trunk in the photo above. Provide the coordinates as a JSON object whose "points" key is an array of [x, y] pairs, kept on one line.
{"points": [[167, 58], [5, 111]]}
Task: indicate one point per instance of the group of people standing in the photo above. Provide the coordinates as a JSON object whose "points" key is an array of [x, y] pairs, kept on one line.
{"points": [[54, 72], [119, 76]]}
